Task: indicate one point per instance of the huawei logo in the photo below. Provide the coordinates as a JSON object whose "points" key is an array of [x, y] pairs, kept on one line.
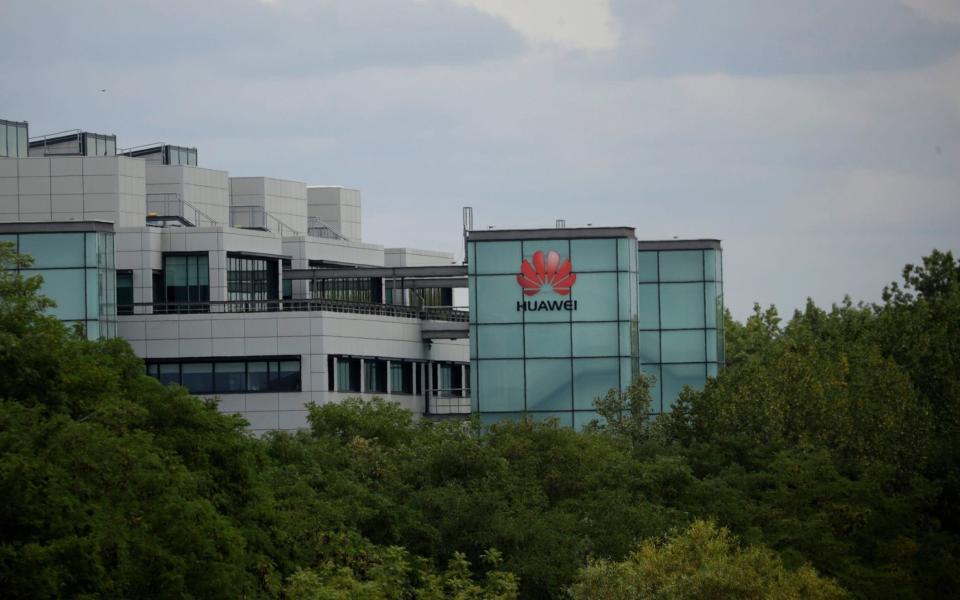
{"points": [[546, 272]]}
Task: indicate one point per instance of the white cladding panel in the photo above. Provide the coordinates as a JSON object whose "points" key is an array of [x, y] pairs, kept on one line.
{"points": [[105, 188]]}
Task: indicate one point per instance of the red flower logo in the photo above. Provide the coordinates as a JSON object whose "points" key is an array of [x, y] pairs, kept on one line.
{"points": [[550, 272]]}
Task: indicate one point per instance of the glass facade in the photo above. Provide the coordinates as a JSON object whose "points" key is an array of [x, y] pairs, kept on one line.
{"points": [[78, 274], [13, 139], [186, 282], [229, 375], [553, 322], [251, 279], [681, 317]]}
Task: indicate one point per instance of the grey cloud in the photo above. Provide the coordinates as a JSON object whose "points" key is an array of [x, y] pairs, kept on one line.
{"points": [[760, 37]]}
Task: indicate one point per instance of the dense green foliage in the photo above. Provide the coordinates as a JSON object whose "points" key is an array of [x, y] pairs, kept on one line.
{"points": [[822, 462]]}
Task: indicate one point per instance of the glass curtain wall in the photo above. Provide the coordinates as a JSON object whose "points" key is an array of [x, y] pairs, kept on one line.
{"points": [[13, 139], [78, 274], [229, 375], [186, 280], [681, 319], [348, 289], [555, 360], [251, 281]]}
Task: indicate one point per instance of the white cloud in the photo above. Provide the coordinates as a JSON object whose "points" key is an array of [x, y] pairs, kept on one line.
{"points": [[938, 11], [579, 24]]}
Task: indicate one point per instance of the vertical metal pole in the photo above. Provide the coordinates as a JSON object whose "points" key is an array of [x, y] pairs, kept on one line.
{"points": [[363, 372]]}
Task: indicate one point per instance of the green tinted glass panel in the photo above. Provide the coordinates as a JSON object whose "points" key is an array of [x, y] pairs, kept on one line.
{"points": [[596, 296], [681, 305], [197, 377], [592, 378], [711, 313], [596, 339], [649, 306], [9, 238], [624, 251], [625, 310], [562, 247], [497, 297], [712, 344], [677, 376], [647, 266], [498, 257], [547, 340], [593, 255], [682, 346], [649, 346], [66, 288], [681, 265], [90, 249], [710, 272], [92, 293], [471, 258], [548, 384], [51, 250], [626, 372], [500, 341], [712, 369], [500, 384]]}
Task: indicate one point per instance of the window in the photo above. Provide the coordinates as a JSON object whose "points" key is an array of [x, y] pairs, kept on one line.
{"points": [[348, 289], [250, 281], [229, 375], [124, 292], [401, 377], [376, 376], [187, 283]]}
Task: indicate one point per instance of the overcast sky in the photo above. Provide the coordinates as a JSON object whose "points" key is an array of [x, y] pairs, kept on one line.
{"points": [[819, 139]]}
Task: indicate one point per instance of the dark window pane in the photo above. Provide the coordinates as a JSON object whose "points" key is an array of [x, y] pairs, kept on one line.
{"points": [[230, 377], [197, 377], [258, 377]]}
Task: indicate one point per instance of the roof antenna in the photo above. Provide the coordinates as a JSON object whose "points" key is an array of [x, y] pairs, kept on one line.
{"points": [[467, 227]]}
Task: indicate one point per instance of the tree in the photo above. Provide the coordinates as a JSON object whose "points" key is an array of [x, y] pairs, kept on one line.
{"points": [[703, 561]]}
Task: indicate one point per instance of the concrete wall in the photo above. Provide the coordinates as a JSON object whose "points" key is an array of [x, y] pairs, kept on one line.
{"points": [[206, 189], [338, 207], [283, 199], [311, 335], [74, 188]]}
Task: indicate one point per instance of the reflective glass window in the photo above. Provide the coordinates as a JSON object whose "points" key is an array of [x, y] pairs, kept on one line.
{"points": [[500, 341], [626, 309], [544, 340], [3, 141], [592, 378], [288, 379], [649, 306], [258, 376], [497, 298], [12, 141], [628, 369], [596, 339], [197, 377], [375, 376], [471, 258], [168, 373], [681, 305], [647, 266], [499, 383], [649, 346], [710, 265], [677, 376], [21, 141], [548, 384], [90, 250], [712, 313], [230, 377], [594, 255], [681, 265], [111, 146], [498, 257], [712, 344], [66, 288], [10, 238], [53, 250], [682, 346], [624, 251], [712, 369], [596, 296], [92, 289]]}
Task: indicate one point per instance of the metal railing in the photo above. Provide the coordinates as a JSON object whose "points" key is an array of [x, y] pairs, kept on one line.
{"points": [[256, 217], [433, 313], [162, 208], [451, 401], [318, 228]]}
